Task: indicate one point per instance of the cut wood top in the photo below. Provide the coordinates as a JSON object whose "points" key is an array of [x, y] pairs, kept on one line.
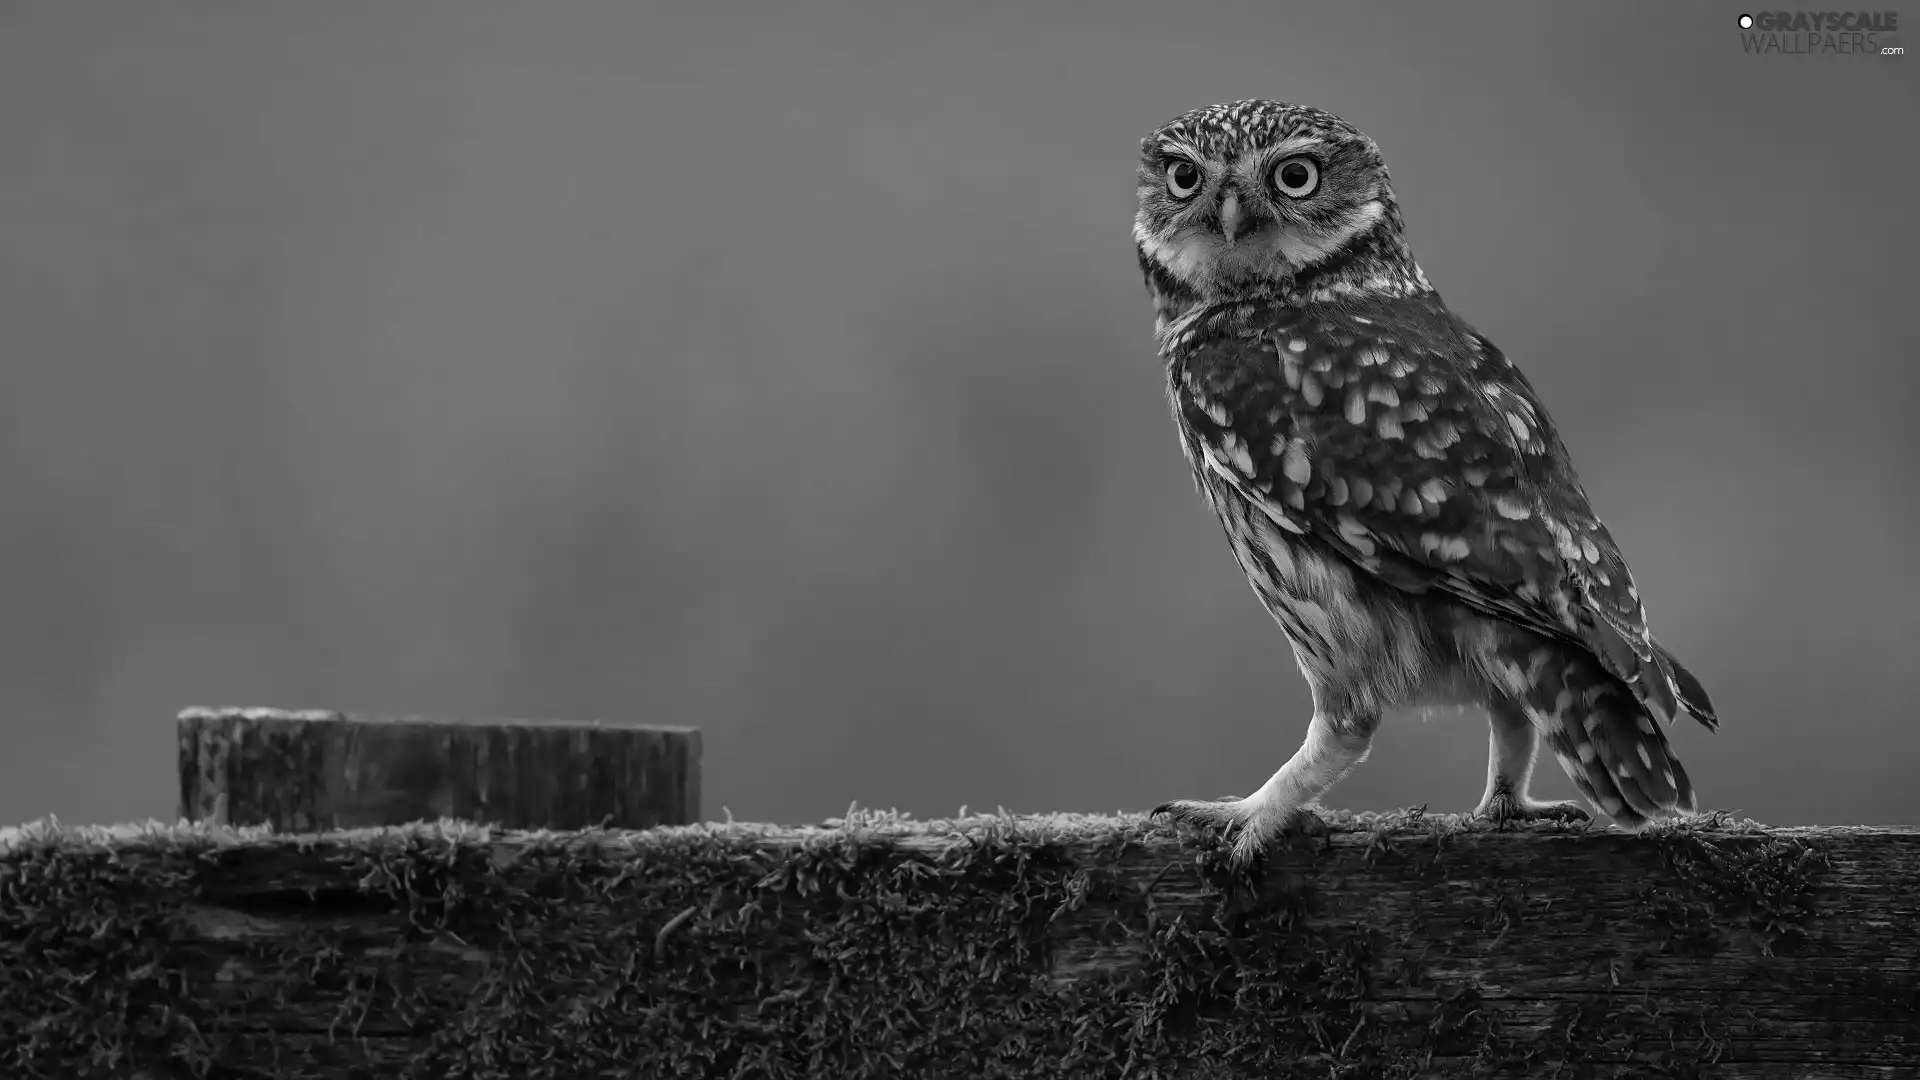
{"points": [[258, 713]]}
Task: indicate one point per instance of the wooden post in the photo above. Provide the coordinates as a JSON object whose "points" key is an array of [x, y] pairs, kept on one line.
{"points": [[303, 770]]}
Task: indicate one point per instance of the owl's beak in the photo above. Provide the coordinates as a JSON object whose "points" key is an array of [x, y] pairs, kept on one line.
{"points": [[1230, 215]]}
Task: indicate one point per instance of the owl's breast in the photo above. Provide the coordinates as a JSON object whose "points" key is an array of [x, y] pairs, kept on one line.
{"points": [[1344, 626]]}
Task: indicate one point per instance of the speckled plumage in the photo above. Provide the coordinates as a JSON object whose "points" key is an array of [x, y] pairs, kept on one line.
{"points": [[1388, 480]]}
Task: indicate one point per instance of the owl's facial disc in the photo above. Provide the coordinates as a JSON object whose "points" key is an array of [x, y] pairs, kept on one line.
{"points": [[1237, 200], [1221, 221], [1258, 215]]}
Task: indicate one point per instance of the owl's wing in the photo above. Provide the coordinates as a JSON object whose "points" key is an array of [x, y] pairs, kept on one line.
{"points": [[1550, 468], [1407, 443]]}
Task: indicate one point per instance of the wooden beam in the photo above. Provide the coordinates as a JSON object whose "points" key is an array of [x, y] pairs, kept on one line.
{"points": [[300, 770], [1066, 946]]}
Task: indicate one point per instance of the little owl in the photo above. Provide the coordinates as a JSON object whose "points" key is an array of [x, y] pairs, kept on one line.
{"points": [[1389, 482]]}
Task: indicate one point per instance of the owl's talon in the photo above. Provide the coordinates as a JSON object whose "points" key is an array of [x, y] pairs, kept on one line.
{"points": [[1224, 814], [1507, 810], [1251, 826], [1267, 831]]}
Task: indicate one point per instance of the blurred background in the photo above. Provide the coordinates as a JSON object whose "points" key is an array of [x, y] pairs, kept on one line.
{"points": [[784, 370]]}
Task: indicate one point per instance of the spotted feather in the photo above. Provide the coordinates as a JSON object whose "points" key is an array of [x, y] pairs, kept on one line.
{"points": [[1405, 441]]}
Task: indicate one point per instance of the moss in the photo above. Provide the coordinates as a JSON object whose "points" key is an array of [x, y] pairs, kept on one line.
{"points": [[1732, 876], [854, 950]]}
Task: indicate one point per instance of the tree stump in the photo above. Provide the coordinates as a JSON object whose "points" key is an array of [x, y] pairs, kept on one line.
{"points": [[308, 770]]}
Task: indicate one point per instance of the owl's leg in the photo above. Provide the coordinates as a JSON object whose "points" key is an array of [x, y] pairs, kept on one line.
{"points": [[1335, 743], [1512, 745]]}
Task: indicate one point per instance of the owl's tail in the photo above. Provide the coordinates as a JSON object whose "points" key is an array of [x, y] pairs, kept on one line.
{"points": [[1609, 744]]}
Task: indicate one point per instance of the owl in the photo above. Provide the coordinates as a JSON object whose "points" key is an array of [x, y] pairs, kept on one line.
{"points": [[1389, 482]]}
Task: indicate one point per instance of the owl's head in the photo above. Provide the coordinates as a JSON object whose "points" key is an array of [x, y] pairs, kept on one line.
{"points": [[1254, 196]]}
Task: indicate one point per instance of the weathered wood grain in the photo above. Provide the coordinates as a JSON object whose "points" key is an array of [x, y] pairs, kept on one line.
{"points": [[1424, 949], [301, 770]]}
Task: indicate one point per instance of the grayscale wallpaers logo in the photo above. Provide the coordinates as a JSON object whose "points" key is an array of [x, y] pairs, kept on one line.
{"points": [[1821, 33]]}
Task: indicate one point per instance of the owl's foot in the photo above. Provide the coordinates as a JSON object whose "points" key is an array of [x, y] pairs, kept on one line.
{"points": [[1252, 823], [1506, 809]]}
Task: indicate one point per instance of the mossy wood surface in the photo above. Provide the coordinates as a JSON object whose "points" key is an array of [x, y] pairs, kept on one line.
{"points": [[298, 770], [1397, 946]]}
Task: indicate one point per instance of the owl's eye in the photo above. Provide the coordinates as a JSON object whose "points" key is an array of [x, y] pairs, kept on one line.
{"points": [[1183, 178], [1296, 177]]}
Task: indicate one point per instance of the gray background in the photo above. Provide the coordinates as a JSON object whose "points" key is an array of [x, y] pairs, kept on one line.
{"points": [[784, 370]]}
